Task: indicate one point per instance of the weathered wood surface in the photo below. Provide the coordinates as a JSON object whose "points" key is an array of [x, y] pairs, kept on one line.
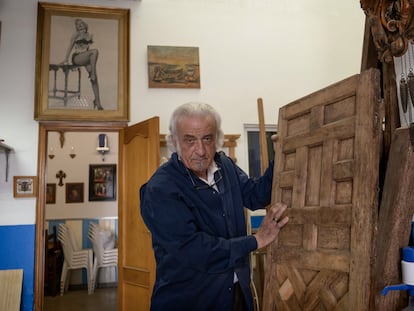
{"points": [[389, 86], [392, 116], [326, 171], [394, 224]]}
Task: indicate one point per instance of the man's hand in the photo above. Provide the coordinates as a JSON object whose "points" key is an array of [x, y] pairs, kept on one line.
{"points": [[271, 225]]}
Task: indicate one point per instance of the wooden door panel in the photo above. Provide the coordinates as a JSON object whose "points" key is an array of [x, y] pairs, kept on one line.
{"points": [[139, 158], [326, 171]]}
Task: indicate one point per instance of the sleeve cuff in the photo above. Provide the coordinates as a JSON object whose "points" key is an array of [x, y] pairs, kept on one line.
{"points": [[251, 243]]}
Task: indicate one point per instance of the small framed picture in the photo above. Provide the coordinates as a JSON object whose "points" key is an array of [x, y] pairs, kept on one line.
{"points": [[102, 182], [173, 67], [24, 186], [51, 194], [74, 192]]}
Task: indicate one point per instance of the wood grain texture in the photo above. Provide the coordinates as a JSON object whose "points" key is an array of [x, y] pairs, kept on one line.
{"points": [[394, 224], [11, 282], [326, 171]]}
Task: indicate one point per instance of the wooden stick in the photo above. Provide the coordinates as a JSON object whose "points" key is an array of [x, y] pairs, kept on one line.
{"points": [[264, 158]]}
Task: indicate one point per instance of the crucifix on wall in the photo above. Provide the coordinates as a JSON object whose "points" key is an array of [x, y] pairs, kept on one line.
{"points": [[60, 175]]}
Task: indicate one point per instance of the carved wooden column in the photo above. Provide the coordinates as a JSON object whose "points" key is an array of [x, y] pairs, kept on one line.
{"points": [[389, 30]]}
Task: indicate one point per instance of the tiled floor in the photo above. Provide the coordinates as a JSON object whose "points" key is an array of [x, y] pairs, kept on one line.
{"points": [[103, 299]]}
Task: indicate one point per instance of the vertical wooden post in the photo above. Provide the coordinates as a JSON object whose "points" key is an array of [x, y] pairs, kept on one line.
{"points": [[394, 225], [264, 158]]}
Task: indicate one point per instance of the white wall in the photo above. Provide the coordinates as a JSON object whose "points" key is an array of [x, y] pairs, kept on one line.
{"points": [[17, 128], [77, 171], [277, 50]]}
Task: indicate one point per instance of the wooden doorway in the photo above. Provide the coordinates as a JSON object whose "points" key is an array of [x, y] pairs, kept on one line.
{"points": [[44, 129], [139, 157]]}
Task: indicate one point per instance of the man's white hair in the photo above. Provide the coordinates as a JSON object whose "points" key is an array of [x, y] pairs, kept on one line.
{"points": [[191, 109]]}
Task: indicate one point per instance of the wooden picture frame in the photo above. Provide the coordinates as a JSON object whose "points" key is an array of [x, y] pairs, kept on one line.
{"points": [[51, 193], [173, 67], [68, 85], [74, 192], [102, 182], [24, 186]]}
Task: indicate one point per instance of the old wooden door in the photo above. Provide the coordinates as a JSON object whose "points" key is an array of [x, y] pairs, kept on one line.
{"points": [[139, 158], [326, 170]]}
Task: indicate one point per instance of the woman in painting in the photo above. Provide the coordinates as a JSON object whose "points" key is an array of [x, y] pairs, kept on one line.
{"points": [[83, 55]]}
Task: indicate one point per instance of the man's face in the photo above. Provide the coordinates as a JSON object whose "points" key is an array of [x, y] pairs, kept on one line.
{"points": [[196, 143]]}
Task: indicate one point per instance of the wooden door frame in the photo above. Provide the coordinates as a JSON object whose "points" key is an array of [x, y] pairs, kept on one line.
{"points": [[44, 129]]}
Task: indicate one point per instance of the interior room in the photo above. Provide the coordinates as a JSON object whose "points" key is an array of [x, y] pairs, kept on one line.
{"points": [[78, 199], [69, 152]]}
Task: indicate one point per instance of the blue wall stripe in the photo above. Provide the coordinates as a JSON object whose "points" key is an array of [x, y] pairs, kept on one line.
{"points": [[116, 230], [86, 243], [54, 223], [17, 251], [256, 221]]}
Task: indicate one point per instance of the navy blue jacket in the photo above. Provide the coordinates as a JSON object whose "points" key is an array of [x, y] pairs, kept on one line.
{"points": [[199, 235]]}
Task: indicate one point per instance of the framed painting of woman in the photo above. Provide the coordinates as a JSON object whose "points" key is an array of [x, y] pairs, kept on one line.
{"points": [[79, 48]]}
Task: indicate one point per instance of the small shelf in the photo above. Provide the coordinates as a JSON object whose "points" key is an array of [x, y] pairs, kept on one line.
{"points": [[6, 149]]}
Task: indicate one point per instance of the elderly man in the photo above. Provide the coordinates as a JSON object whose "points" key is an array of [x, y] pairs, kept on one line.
{"points": [[194, 207]]}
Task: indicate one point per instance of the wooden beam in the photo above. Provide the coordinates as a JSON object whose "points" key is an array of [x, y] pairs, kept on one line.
{"points": [[394, 225], [264, 158]]}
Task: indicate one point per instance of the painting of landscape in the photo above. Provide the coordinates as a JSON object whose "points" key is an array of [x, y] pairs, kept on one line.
{"points": [[173, 67]]}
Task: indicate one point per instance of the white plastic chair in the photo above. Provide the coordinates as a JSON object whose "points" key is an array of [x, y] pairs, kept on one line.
{"points": [[74, 258], [103, 258]]}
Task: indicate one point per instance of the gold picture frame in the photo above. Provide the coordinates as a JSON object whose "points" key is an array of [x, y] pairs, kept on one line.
{"points": [[24, 186], [82, 63], [173, 67], [51, 193], [102, 182], [74, 192]]}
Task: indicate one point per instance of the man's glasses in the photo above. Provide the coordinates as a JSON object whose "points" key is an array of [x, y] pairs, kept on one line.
{"points": [[206, 186]]}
